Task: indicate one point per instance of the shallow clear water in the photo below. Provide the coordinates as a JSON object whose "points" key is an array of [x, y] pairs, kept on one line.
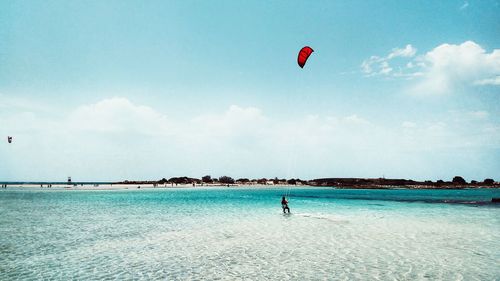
{"points": [[215, 233]]}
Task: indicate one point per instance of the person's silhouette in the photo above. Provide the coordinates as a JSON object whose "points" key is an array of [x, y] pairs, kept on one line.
{"points": [[284, 205]]}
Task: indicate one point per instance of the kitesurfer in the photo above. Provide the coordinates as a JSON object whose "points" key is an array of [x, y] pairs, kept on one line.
{"points": [[284, 205]]}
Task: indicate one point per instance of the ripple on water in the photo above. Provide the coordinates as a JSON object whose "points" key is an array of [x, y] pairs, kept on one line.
{"points": [[97, 239]]}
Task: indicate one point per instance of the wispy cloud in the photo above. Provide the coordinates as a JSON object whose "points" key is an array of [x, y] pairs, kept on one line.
{"points": [[464, 5], [377, 65]]}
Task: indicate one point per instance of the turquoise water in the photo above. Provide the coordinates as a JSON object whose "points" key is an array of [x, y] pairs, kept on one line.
{"points": [[228, 234]]}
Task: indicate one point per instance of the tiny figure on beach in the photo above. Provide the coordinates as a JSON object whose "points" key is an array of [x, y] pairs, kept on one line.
{"points": [[284, 205]]}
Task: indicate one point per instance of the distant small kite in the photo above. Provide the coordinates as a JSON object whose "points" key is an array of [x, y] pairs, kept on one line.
{"points": [[304, 54], [9, 139]]}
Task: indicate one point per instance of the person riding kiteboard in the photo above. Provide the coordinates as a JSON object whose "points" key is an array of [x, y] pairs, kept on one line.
{"points": [[284, 205]]}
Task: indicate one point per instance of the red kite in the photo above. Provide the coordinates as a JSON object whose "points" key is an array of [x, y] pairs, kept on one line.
{"points": [[304, 55]]}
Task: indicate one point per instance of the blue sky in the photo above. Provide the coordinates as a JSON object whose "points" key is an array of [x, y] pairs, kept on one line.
{"points": [[113, 90]]}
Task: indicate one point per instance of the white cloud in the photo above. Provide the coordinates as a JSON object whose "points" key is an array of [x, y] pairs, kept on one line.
{"points": [[118, 139], [355, 119], [235, 114], [118, 115], [235, 119], [132, 140], [409, 125], [488, 81], [376, 65], [408, 52], [448, 67], [444, 69], [17, 104], [480, 114], [385, 68], [366, 66]]}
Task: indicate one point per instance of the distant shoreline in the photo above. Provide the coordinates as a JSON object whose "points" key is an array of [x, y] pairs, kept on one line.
{"points": [[207, 181], [139, 186]]}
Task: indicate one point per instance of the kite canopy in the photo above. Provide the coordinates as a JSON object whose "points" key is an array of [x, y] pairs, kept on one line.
{"points": [[304, 54], [9, 139]]}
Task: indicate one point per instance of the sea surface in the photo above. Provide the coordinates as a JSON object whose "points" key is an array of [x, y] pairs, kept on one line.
{"points": [[241, 233]]}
